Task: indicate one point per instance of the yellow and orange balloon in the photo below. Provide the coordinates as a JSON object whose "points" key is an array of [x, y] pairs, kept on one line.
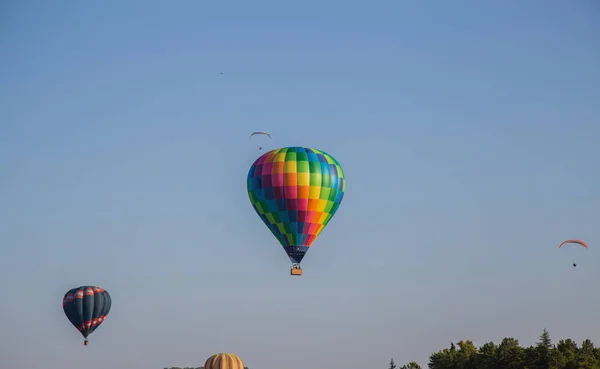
{"points": [[224, 361]]}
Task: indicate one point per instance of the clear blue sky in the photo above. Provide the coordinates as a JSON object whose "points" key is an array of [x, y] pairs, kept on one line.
{"points": [[468, 131]]}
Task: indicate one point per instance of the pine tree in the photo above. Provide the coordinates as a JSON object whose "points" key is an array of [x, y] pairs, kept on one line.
{"points": [[544, 349], [392, 364], [545, 340]]}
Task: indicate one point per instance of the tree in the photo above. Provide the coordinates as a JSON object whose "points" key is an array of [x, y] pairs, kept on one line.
{"points": [[486, 356], [392, 364], [510, 355], [545, 340], [539, 357], [411, 365], [467, 354], [566, 356], [443, 359], [588, 357]]}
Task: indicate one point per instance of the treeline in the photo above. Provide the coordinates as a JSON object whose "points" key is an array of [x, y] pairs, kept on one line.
{"points": [[566, 354]]}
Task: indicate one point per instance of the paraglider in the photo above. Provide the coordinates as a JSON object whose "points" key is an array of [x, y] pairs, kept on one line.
{"points": [[224, 361], [296, 191], [580, 242], [86, 307], [260, 133]]}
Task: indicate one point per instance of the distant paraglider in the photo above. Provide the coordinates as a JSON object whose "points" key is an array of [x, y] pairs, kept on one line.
{"points": [[224, 361], [580, 242], [296, 191], [260, 133], [86, 307]]}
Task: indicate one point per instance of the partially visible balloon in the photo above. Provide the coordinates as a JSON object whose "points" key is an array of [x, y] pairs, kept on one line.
{"points": [[265, 134], [224, 361], [580, 242], [296, 191], [86, 307]]}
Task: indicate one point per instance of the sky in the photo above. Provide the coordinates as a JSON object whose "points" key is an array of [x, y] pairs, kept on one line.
{"points": [[468, 132]]}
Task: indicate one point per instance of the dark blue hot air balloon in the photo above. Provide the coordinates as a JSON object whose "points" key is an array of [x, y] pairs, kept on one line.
{"points": [[86, 307]]}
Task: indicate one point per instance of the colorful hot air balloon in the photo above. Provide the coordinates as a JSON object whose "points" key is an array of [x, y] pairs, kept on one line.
{"points": [[86, 307], [296, 191], [224, 361]]}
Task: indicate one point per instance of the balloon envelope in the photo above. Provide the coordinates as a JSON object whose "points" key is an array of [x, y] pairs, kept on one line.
{"points": [[224, 361], [86, 307], [296, 191]]}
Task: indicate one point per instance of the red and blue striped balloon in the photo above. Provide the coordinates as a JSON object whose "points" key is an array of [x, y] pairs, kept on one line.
{"points": [[86, 307]]}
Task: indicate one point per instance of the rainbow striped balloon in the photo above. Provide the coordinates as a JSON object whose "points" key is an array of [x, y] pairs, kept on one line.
{"points": [[296, 191]]}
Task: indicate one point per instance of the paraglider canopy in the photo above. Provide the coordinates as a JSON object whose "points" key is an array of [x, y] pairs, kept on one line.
{"points": [[262, 133], [582, 243]]}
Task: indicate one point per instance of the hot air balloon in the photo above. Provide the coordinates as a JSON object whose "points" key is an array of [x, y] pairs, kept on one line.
{"points": [[224, 361], [86, 307], [265, 134], [296, 191], [582, 243]]}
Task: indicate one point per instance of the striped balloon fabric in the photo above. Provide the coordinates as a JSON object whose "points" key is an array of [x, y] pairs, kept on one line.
{"points": [[86, 307], [224, 361]]}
